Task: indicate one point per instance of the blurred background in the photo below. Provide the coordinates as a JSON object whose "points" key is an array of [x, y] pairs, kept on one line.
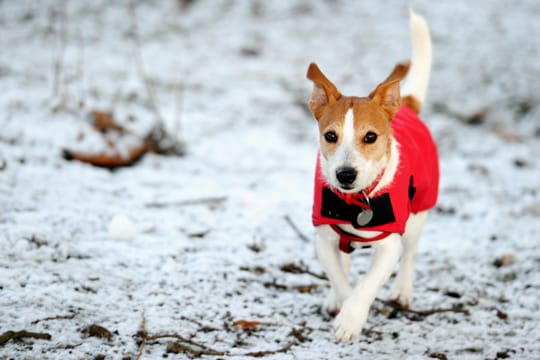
{"points": [[155, 152]]}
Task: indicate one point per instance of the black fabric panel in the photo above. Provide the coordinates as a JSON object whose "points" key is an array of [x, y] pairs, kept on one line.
{"points": [[412, 189], [336, 208]]}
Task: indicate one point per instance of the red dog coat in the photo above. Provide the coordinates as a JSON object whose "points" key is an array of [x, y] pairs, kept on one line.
{"points": [[413, 189]]}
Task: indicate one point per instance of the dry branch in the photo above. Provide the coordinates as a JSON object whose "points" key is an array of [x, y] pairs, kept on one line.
{"points": [[295, 228], [184, 345], [158, 139], [142, 335], [300, 269], [58, 317], [211, 201], [423, 313], [23, 334]]}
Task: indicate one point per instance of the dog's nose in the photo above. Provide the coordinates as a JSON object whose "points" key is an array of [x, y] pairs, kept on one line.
{"points": [[346, 175]]}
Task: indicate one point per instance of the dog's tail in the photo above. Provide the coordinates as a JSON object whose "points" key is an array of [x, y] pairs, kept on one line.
{"points": [[414, 90]]}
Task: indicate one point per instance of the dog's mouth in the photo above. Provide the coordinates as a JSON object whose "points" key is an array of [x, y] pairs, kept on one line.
{"points": [[346, 187]]}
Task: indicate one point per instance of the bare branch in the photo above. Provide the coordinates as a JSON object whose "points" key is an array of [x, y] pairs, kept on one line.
{"points": [[211, 201], [423, 313], [295, 228], [18, 335]]}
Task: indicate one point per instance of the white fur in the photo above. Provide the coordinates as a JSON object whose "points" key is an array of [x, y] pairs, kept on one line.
{"points": [[418, 78], [353, 304]]}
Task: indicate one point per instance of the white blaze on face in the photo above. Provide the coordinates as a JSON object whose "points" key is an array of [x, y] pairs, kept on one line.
{"points": [[343, 154], [348, 154], [344, 151]]}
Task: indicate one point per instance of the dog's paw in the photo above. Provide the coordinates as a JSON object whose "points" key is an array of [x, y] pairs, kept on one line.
{"points": [[332, 304], [349, 321], [402, 295]]}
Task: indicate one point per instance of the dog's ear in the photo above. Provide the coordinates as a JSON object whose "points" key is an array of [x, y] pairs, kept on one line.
{"points": [[324, 92], [387, 93]]}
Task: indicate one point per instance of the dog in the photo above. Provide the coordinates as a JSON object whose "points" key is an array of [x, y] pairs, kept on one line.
{"points": [[376, 178]]}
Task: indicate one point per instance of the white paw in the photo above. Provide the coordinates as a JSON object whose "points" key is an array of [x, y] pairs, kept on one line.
{"points": [[402, 295], [332, 304], [350, 320]]}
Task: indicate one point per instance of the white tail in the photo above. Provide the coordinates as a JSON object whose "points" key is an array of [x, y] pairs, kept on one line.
{"points": [[418, 78]]}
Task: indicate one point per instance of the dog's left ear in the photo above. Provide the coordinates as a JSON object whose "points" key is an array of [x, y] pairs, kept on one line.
{"points": [[387, 93], [324, 91]]}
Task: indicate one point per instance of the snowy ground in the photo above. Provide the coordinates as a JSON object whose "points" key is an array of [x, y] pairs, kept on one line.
{"points": [[213, 243]]}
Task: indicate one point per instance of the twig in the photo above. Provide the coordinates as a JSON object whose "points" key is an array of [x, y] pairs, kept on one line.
{"points": [[59, 317], [202, 201], [202, 327], [375, 334], [159, 140], [197, 349], [58, 63], [283, 349], [142, 335], [295, 228], [139, 62], [300, 269], [202, 349], [80, 67], [424, 313], [17, 335], [64, 347]]}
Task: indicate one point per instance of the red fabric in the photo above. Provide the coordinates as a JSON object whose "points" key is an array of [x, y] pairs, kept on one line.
{"points": [[418, 158]]}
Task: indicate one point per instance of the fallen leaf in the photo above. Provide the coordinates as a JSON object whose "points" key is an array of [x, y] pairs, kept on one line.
{"points": [[105, 160], [504, 260], [103, 121], [99, 331], [246, 325], [501, 315]]}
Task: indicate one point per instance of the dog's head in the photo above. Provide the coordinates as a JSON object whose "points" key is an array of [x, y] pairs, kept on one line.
{"points": [[355, 132]]}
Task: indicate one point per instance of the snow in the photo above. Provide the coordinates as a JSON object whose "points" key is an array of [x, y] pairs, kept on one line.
{"points": [[209, 235], [121, 228]]}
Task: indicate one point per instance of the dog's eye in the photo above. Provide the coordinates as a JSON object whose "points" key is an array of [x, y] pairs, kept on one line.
{"points": [[330, 137], [370, 137]]}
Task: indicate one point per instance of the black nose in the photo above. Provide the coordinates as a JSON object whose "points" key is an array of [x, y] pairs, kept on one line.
{"points": [[346, 175]]}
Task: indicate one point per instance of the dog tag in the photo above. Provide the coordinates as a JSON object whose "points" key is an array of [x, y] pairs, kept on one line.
{"points": [[364, 217]]}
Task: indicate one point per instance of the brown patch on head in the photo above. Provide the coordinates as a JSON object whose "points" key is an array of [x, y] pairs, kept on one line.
{"points": [[332, 120], [371, 119]]}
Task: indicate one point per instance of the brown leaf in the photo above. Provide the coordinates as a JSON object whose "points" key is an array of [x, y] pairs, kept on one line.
{"points": [[504, 260], [501, 315], [99, 331], [306, 289], [477, 118], [109, 161], [246, 325], [103, 121]]}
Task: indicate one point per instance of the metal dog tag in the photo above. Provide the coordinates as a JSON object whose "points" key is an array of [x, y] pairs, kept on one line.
{"points": [[364, 217]]}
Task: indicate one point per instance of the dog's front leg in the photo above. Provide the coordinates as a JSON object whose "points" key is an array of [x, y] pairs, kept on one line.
{"points": [[335, 266], [354, 311]]}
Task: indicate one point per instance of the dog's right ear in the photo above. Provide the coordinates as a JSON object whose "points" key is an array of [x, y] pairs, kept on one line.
{"points": [[324, 92]]}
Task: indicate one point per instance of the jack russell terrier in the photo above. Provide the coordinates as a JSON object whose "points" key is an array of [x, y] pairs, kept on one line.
{"points": [[377, 176]]}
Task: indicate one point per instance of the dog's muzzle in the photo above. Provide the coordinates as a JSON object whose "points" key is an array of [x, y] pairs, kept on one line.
{"points": [[346, 176]]}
